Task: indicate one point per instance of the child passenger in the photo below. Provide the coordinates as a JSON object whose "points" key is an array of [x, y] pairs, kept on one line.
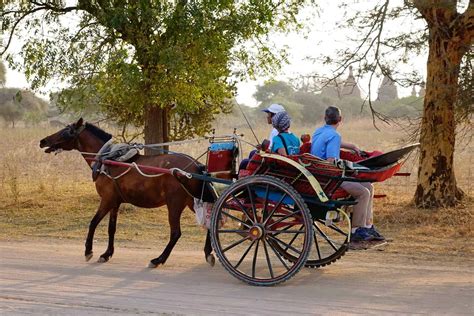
{"points": [[284, 143]]}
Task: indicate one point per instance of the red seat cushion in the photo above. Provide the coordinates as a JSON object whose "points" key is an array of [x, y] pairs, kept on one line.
{"points": [[305, 148]]}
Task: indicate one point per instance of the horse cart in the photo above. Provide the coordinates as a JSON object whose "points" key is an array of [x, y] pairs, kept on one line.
{"points": [[286, 212], [276, 215]]}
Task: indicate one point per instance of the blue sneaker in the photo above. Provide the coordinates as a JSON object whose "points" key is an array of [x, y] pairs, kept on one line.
{"points": [[372, 231], [361, 234]]}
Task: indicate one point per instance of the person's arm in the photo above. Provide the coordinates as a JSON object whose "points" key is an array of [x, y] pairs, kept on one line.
{"points": [[350, 146], [277, 146]]}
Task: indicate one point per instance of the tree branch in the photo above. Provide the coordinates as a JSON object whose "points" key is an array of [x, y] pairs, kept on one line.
{"points": [[12, 32]]}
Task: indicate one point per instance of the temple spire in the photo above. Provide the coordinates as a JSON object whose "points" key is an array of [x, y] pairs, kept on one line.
{"points": [[387, 90], [350, 88]]}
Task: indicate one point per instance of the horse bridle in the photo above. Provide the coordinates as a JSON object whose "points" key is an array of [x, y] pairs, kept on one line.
{"points": [[70, 133]]}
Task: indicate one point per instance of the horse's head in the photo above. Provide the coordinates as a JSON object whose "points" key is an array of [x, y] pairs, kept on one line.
{"points": [[65, 139]]}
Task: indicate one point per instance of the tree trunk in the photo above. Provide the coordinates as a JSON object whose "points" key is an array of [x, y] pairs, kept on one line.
{"points": [[436, 185], [154, 128]]}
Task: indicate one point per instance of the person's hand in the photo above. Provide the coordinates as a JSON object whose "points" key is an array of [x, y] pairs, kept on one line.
{"points": [[364, 154], [357, 150]]}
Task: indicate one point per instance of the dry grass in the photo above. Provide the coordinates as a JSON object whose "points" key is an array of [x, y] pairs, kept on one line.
{"points": [[48, 196]]}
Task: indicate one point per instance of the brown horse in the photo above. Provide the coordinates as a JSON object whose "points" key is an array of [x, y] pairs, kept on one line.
{"points": [[132, 187]]}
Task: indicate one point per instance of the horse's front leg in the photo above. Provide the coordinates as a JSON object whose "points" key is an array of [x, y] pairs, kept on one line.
{"points": [[112, 228], [104, 208]]}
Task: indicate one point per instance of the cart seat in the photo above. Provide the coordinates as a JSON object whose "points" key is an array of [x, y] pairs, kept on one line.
{"points": [[221, 157], [324, 171], [345, 154]]}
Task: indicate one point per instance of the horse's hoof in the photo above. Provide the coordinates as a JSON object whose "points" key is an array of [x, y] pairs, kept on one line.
{"points": [[89, 256], [151, 265], [102, 260], [211, 260]]}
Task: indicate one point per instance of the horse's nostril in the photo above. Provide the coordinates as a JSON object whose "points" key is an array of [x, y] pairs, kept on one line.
{"points": [[42, 143]]}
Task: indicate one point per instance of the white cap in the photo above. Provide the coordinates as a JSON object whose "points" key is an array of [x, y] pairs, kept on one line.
{"points": [[274, 108]]}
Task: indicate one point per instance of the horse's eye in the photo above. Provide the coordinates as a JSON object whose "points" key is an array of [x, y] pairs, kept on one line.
{"points": [[67, 133]]}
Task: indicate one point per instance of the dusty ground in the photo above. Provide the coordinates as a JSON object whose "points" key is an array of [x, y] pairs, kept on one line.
{"points": [[51, 277]]}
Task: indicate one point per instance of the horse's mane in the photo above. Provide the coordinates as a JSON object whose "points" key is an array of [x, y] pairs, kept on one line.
{"points": [[103, 135]]}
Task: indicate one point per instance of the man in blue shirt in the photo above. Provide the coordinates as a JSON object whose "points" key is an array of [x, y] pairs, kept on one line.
{"points": [[326, 144]]}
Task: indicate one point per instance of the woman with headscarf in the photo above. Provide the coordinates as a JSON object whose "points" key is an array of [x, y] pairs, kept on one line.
{"points": [[284, 143]]}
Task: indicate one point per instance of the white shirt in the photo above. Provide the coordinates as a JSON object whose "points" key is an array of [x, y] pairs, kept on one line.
{"points": [[273, 133]]}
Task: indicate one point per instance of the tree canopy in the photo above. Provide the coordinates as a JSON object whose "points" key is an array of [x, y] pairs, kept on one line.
{"points": [[169, 66], [448, 36]]}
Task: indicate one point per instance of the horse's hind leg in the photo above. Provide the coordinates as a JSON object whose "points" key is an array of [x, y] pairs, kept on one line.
{"points": [[207, 245], [208, 250], [175, 209], [104, 208], [112, 227]]}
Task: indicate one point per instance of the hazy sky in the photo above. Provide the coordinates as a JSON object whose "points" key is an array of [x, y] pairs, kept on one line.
{"points": [[321, 36]]}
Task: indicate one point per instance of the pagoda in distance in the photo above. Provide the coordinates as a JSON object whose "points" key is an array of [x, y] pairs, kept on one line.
{"points": [[342, 90]]}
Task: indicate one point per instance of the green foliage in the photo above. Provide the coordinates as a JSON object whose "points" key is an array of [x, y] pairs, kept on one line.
{"points": [[34, 118], [271, 90], [409, 107], [14, 104], [124, 57], [307, 107]]}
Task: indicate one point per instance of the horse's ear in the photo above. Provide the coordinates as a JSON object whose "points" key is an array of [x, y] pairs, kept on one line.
{"points": [[79, 122]]}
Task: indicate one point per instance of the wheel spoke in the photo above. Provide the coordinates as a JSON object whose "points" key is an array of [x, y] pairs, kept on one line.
{"points": [[326, 237], [265, 203], [295, 236], [236, 218], [244, 255], [254, 211], [274, 209], [268, 258], [277, 254], [278, 232], [284, 217], [238, 242], [242, 208], [333, 227], [254, 262], [316, 244], [285, 244]]}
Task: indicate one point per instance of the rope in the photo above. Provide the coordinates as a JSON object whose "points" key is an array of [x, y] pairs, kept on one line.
{"points": [[142, 146], [144, 174], [117, 177], [181, 142]]}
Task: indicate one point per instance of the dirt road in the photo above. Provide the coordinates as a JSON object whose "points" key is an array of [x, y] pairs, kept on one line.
{"points": [[51, 277]]}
